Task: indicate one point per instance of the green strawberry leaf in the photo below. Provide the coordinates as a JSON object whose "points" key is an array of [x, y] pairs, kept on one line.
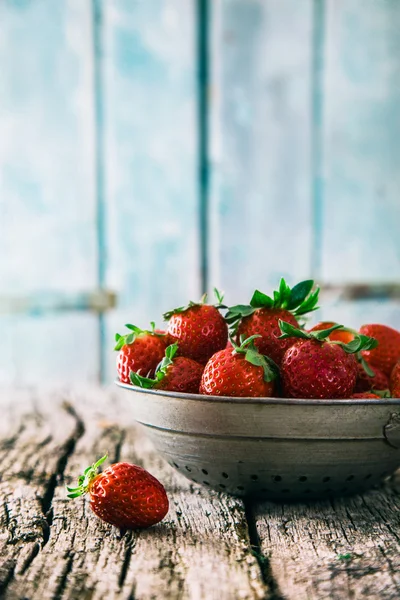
{"points": [[382, 393], [309, 304], [289, 330], [299, 293], [143, 382], [84, 480], [259, 360], [360, 342], [260, 300], [324, 333], [129, 338], [370, 372], [219, 296]]}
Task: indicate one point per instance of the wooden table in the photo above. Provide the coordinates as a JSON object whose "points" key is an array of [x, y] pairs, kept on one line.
{"points": [[209, 546]]}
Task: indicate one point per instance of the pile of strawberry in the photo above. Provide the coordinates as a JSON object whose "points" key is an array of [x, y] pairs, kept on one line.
{"points": [[261, 349]]}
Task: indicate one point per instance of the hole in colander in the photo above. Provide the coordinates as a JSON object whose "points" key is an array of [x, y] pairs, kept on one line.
{"points": [[206, 482], [225, 475], [221, 485], [188, 469], [368, 476], [303, 478], [240, 487], [277, 478], [326, 479], [350, 478], [175, 465], [254, 477], [204, 471]]}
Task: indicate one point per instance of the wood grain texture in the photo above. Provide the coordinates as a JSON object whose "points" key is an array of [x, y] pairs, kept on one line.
{"points": [[361, 212], [55, 548], [150, 133], [260, 130], [338, 550]]}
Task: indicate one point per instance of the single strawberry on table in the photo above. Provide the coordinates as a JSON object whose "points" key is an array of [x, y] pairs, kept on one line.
{"points": [[239, 371], [124, 495], [140, 351], [387, 353], [174, 374], [316, 367], [199, 329], [261, 317]]}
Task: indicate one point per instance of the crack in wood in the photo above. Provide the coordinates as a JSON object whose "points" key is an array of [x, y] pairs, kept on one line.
{"points": [[272, 591]]}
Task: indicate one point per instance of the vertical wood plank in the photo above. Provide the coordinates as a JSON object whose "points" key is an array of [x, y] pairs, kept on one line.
{"points": [[47, 192], [151, 178], [361, 239], [261, 134], [361, 192]]}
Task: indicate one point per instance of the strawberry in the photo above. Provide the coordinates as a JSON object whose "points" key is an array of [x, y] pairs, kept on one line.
{"points": [[261, 317], [124, 495], [370, 379], [364, 395], [199, 329], [343, 335], [395, 381], [175, 374], [239, 371], [385, 356], [140, 351], [315, 367]]}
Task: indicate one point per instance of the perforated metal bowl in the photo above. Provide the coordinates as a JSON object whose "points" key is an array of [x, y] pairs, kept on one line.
{"points": [[281, 449]]}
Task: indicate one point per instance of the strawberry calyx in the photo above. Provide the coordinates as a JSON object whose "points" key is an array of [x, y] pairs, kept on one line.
{"points": [[299, 300], [161, 370], [85, 480], [360, 342], [253, 356], [129, 338], [219, 297], [382, 393]]}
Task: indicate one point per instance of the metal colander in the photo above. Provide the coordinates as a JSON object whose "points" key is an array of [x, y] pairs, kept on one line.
{"points": [[280, 449]]}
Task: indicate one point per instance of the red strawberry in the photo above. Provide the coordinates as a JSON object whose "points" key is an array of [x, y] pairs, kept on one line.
{"points": [[199, 329], [239, 371], [366, 382], [175, 374], [263, 314], [364, 395], [124, 495], [337, 336], [395, 381], [385, 356], [139, 351], [315, 367]]}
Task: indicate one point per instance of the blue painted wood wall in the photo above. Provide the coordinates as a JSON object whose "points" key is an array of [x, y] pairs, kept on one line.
{"points": [[155, 148]]}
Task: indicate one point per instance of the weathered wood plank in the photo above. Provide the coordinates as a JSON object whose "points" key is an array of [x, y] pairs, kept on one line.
{"points": [[361, 208], [339, 550], [201, 550], [261, 131], [47, 184], [150, 159]]}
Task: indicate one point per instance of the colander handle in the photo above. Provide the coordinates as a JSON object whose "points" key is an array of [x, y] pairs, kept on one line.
{"points": [[391, 431]]}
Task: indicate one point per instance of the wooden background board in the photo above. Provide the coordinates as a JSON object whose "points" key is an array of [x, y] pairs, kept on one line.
{"points": [[47, 186], [150, 160], [261, 130], [115, 172]]}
